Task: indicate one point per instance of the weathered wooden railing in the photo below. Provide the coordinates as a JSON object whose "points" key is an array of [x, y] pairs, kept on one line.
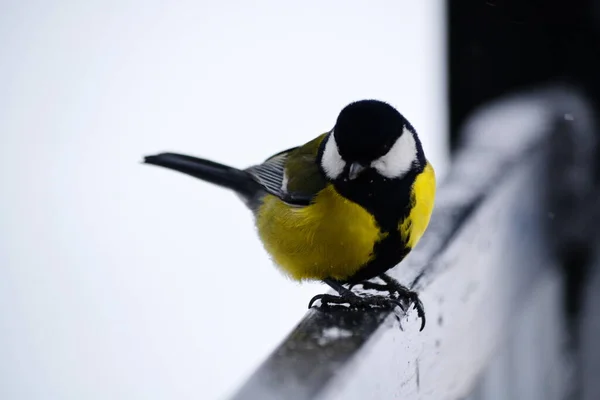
{"points": [[487, 270]]}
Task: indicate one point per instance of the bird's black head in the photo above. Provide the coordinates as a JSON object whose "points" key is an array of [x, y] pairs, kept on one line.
{"points": [[372, 157], [366, 130], [370, 136]]}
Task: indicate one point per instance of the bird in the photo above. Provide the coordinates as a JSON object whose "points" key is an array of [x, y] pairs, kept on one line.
{"points": [[343, 208]]}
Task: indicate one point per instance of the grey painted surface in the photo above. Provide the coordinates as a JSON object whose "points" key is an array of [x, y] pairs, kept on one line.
{"points": [[590, 340], [532, 363]]}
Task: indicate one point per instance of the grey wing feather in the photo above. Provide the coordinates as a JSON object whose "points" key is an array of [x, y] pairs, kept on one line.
{"points": [[270, 174]]}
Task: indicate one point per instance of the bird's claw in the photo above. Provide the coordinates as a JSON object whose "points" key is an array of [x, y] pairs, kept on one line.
{"points": [[326, 299], [413, 298], [358, 302], [399, 292]]}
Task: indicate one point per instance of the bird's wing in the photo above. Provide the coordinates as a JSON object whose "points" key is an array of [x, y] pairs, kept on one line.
{"points": [[271, 173], [292, 175]]}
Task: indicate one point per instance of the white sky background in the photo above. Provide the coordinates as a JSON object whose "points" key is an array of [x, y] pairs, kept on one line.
{"points": [[124, 281]]}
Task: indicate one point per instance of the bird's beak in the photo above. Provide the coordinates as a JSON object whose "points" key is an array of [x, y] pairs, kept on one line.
{"points": [[355, 170]]}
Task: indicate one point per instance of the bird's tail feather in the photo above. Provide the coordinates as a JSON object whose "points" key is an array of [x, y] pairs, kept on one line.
{"points": [[210, 171]]}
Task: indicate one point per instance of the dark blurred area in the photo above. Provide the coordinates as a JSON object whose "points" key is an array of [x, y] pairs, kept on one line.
{"points": [[501, 47]]}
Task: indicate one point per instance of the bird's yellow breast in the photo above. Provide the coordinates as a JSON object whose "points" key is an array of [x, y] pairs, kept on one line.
{"points": [[334, 237], [331, 238]]}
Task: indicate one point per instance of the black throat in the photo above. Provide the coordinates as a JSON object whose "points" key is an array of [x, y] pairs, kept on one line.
{"points": [[389, 200]]}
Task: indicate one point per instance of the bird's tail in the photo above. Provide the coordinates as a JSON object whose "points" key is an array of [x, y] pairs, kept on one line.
{"points": [[210, 171]]}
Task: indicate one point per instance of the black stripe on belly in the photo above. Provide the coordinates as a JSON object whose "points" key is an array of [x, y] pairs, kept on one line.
{"points": [[390, 202], [388, 253]]}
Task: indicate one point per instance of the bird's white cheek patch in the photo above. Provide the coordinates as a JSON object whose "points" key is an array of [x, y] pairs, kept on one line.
{"points": [[332, 162], [399, 159]]}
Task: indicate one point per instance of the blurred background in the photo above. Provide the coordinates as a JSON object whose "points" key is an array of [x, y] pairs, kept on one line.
{"points": [[123, 281], [119, 280]]}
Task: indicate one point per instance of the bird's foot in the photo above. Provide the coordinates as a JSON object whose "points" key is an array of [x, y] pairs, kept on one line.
{"points": [[355, 301], [399, 292]]}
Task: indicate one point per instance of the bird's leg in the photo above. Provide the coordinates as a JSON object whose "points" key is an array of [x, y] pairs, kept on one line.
{"points": [[347, 296]]}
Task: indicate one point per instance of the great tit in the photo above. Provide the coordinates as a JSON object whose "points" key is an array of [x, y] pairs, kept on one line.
{"points": [[343, 208]]}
